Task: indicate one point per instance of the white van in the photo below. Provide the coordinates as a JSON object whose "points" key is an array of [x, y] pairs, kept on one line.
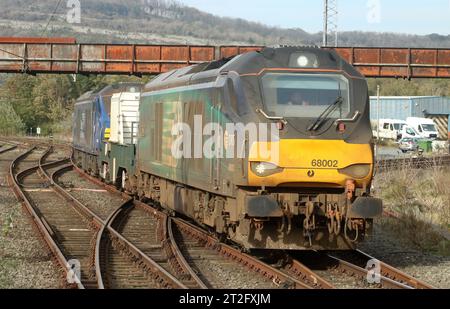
{"points": [[389, 128], [408, 132], [424, 126]]}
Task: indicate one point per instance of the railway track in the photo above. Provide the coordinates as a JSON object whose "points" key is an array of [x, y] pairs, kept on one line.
{"points": [[66, 233], [118, 263], [6, 143], [96, 198], [70, 229], [131, 223], [113, 270], [6, 147], [26, 165], [350, 270], [133, 245], [393, 273], [26, 141], [171, 243], [222, 266], [190, 254], [192, 246]]}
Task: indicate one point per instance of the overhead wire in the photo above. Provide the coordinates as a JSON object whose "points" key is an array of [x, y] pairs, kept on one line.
{"points": [[51, 17]]}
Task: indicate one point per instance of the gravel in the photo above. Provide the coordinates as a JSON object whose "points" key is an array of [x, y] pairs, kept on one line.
{"points": [[100, 201], [425, 266], [216, 270], [232, 276], [344, 281], [25, 262]]}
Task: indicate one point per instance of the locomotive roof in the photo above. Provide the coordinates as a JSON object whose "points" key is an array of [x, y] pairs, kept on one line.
{"points": [[249, 63]]}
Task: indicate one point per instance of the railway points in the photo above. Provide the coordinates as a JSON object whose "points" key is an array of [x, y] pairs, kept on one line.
{"points": [[176, 254]]}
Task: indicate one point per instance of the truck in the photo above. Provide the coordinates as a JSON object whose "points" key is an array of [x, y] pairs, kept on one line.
{"points": [[426, 128]]}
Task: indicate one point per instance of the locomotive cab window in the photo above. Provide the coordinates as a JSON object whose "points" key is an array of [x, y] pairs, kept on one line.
{"points": [[305, 95]]}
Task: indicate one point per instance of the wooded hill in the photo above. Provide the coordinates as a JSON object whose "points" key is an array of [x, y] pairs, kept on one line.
{"points": [[168, 21]]}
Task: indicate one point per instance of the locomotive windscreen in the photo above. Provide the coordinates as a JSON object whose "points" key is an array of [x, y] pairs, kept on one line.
{"points": [[305, 95]]}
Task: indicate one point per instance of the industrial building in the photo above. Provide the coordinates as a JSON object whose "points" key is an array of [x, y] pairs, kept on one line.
{"points": [[434, 107]]}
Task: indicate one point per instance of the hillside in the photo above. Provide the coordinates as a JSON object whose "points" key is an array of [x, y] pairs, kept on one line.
{"points": [[168, 21], [46, 100]]}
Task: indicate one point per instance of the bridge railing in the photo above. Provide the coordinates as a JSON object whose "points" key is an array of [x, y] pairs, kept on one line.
{"points": [[64, 55]]}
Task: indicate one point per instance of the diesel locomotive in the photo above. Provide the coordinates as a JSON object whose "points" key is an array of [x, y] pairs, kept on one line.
{"points": [[91, 123], [308, 189]]}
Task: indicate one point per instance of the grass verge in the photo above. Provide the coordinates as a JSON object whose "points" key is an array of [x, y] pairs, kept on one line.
{"points": [[421, 200]]}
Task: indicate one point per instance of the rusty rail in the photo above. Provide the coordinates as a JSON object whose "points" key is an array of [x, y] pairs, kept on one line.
{"points": [[94, 221], [297, 274], [64, 55], [40, 224], [293, 279], [307, 275], [177, 252], [355, 270], [397, 275], [106, 231], [235, 255], [159, 274], [3, 150]]}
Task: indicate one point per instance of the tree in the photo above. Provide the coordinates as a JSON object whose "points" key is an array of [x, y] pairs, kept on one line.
{"points": [[416, 87], [47, 100], [10, 122], [18, 90], [52, 99]]}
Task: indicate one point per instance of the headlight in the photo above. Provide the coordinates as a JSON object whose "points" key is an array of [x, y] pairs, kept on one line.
{"points": [[264, 169], [303, 60], [357, 171]]}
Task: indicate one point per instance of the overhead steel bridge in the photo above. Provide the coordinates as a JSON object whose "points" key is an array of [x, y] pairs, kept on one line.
{"points": [[66, 56]]}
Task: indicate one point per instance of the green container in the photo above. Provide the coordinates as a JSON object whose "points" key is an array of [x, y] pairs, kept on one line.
{"points": [[426, 145]]}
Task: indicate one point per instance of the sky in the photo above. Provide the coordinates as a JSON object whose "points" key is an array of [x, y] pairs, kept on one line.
{"points": [[402, 16]]}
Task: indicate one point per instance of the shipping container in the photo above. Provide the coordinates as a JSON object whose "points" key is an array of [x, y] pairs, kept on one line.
{"points": [[125, 118]]}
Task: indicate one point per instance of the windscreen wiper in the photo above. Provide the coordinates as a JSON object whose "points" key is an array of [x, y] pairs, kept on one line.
{"points": [[324, 116]]}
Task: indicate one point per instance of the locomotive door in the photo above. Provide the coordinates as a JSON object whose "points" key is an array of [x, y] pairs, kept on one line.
{"points": [[216, 135]]}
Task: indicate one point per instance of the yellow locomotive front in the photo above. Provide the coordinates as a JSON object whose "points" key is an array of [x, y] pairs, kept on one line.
{"points": [[312, 163], [312, 106], [308, 186]]}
